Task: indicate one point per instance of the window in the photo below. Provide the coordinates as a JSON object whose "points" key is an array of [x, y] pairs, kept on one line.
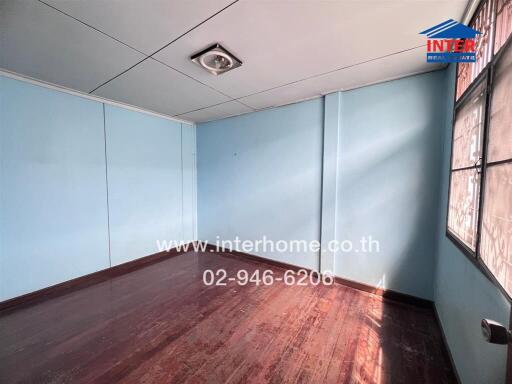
{"points": [[503, 23], [480, 195], [496, 243], [465, 173], [482, 22]]}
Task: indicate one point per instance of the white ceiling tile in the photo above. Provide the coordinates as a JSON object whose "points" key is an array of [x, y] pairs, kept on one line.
{"points": [[159, 88], [300, 43], [231, 108], [40, 42], [391, 67], [284, 41], [146, 25]]}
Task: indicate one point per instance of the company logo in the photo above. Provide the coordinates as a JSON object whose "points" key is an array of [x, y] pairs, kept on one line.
{"points": [[451, 42]]}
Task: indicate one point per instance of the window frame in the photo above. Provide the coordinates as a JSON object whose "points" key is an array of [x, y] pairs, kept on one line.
{"points": [[486, 75], [464, 98]]}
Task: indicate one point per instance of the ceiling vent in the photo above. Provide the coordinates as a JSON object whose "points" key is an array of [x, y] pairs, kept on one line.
{"points": [[216, 60]]}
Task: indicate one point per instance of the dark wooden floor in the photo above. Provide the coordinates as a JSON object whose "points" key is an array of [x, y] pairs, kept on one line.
{"points": [[161, 324]]}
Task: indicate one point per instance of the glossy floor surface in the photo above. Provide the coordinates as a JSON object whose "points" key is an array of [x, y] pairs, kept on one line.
{"points": [[161, 324]]}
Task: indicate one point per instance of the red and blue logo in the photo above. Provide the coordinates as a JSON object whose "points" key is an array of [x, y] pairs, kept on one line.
{"points": [[451, 42]]}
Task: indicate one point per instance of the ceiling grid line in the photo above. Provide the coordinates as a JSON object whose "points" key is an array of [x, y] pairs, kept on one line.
{"points": [[333, 71], [216, 105], [92, 27], [304, 79], [146, 56], [165, 46], [192, 78]]}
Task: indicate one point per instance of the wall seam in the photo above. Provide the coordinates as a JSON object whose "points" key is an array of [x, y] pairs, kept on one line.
{"points": [[441, 212], [106, 184], [329, 187], [195, 230], [182, 181], [338, 168], [322, 165]]}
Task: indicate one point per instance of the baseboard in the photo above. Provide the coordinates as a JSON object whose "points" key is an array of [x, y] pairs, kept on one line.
{"points": [[85, 281], [259, 259], [447, 351], [386, 293]]}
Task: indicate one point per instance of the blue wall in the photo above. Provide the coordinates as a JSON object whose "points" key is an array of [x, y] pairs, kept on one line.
{"points": [[260, 175], [53, 221], [388, 177], [189, 179], [53, 196], [144, 178], [463, 295]]}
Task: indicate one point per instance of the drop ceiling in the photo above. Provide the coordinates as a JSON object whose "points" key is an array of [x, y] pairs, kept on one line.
{"points": [[137, 52]]}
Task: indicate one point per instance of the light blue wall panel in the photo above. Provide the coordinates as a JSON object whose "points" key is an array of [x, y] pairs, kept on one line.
{"points": [[463, 295], [189, 182], [144, 182], [390, 146], [53, 206], [260, 175]]}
